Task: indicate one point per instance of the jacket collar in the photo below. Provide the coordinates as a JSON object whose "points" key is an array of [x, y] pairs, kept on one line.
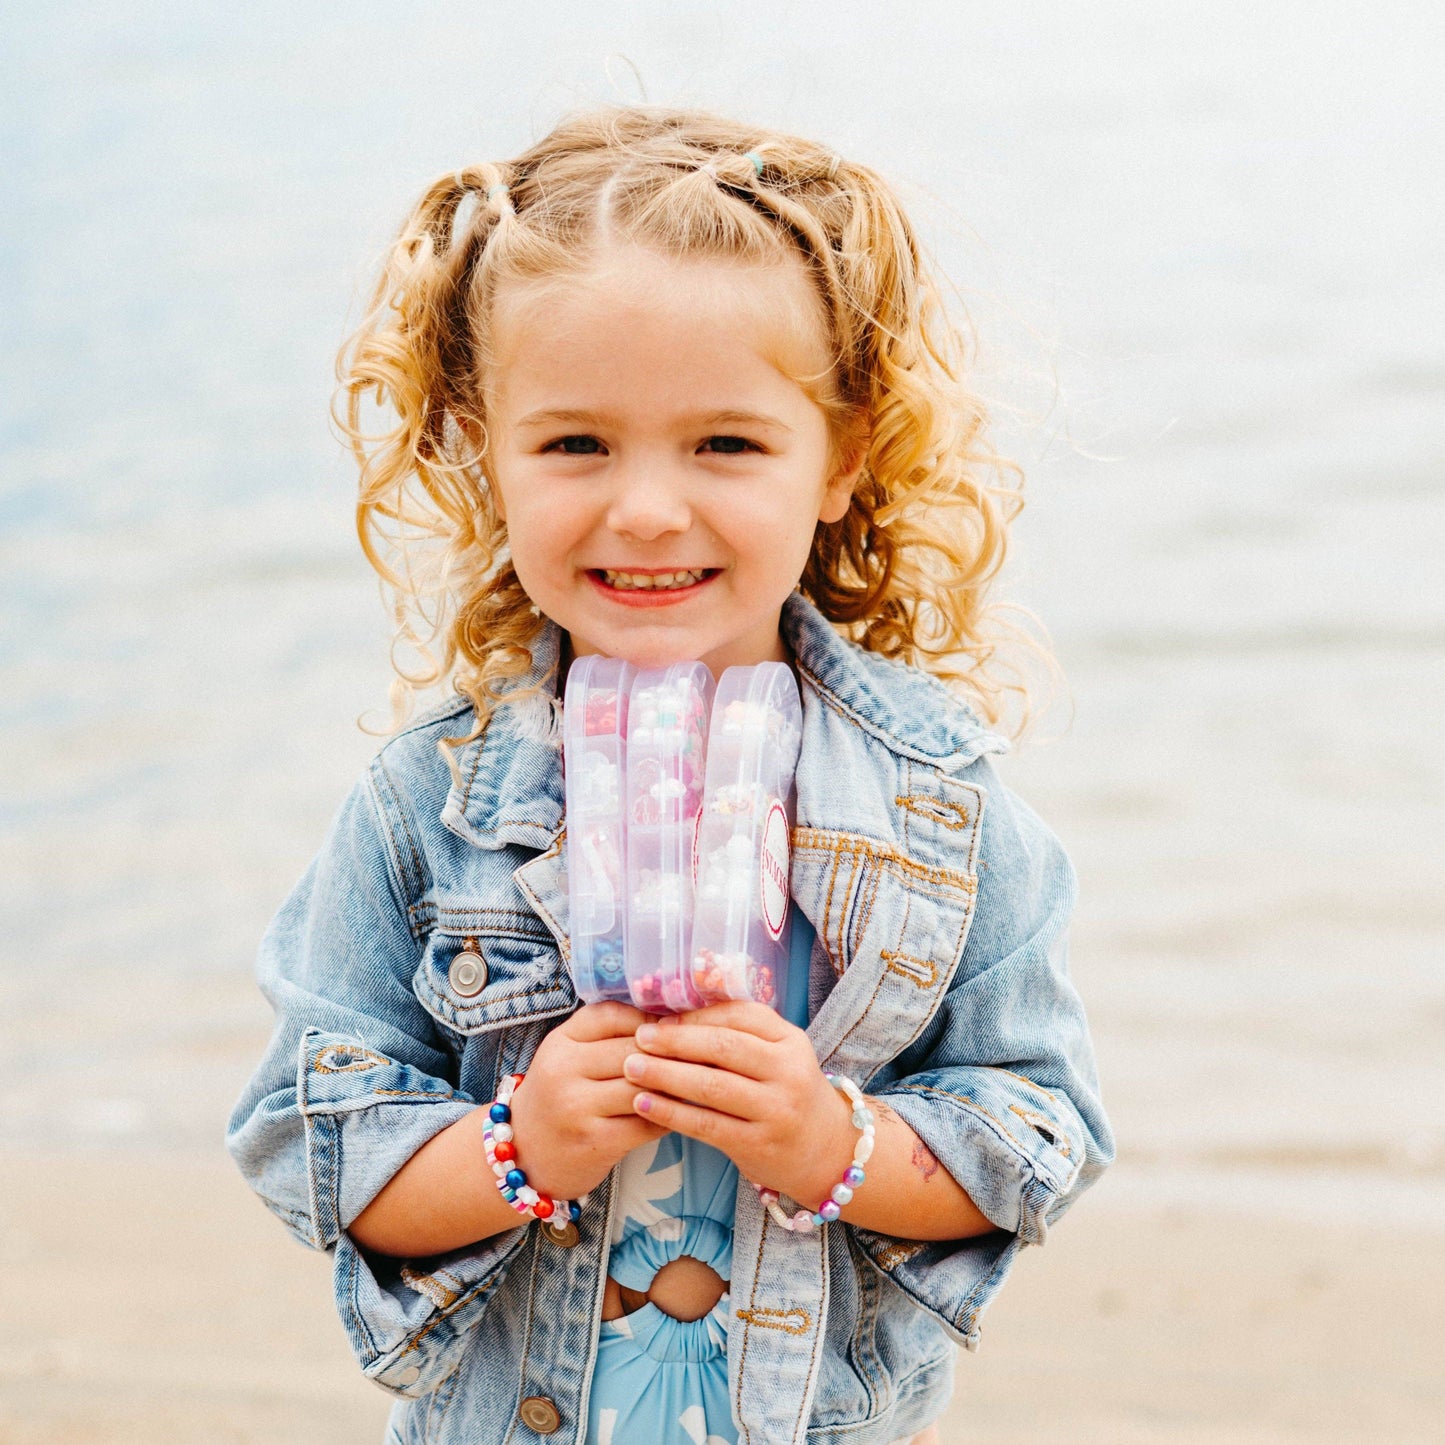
{"points": [[508, 785], [909, 711]]}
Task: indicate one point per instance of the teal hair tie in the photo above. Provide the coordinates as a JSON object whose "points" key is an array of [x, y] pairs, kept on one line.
{"points": [[757, 161]]}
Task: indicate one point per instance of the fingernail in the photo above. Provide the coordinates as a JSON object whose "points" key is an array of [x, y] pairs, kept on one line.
{"points": [[643, 1103], [633, 1066], [646, 1033]]}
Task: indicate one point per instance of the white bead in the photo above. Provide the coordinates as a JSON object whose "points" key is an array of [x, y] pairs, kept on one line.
{"points": [[500, 1168], [501, 1133], [528, 1195], [863, 1152]]}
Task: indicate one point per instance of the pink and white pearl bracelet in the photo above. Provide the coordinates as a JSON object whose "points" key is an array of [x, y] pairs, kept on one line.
{"points": [[806, 1220], [511, 1179]]}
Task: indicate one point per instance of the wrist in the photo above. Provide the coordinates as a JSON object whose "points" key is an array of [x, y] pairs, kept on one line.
{"points": [[829, 1154], [819, 1203]]}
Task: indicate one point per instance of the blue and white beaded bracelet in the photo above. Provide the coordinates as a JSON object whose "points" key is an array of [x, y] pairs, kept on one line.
{"points": [[863, 1121], [511, 1178]]}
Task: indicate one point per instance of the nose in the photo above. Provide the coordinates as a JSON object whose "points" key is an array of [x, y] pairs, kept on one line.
{"points": [[648, 502]]}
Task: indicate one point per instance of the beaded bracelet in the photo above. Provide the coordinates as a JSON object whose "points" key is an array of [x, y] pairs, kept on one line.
{"points": [[502, 1156], [805, 1220]]}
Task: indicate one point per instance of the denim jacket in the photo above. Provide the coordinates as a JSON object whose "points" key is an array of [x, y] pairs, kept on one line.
{"points": [[940, 905]]}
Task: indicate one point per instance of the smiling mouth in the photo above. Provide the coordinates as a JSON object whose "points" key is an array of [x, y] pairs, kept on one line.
{"points": [[652, 581]]}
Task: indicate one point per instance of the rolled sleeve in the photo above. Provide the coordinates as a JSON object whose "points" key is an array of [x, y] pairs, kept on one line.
{"points": [[364, 1116], [1003, 1088], [356, 1078]]}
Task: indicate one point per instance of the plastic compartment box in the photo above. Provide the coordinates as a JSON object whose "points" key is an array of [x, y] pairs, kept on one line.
{"points": [[666, 747], [594, 738], [741, 918]]}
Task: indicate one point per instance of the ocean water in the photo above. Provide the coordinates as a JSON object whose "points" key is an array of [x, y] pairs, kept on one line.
{"points": [[1205, 256]]}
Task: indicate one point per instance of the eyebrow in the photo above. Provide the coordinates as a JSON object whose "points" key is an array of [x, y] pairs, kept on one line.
{"points": [[567, 416]]}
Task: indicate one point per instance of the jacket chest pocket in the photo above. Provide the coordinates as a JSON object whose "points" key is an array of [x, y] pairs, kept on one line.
{"points": [[474, 978]]}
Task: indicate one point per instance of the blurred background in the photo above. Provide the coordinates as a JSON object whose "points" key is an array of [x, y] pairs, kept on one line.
{"points": [[1203, 247]]}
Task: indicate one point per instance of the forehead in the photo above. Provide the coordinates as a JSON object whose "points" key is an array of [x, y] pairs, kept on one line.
{"points": [[695, 316]]}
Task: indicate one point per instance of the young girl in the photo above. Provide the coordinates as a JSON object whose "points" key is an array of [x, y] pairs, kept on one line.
{"points": [[667, 387]]}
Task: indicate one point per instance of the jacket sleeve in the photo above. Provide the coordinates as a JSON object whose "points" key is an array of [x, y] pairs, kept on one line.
{"points": [[1002, 1086], [355, 1080]]}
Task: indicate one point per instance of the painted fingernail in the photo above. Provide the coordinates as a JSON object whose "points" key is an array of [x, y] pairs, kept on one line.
{"points": [[647, 1033], [643, 1103]]}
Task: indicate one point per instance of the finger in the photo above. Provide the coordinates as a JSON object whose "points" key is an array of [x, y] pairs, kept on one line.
{"points": [[713, 1089], [604, 1058], [625, 1135], [612, 1100], [739, 1013], [606, 1020], [719, 1130], [725, 1048]]}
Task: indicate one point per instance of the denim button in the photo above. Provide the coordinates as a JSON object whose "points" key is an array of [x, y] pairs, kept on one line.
{"points": [[468, 974], [564, 1236], [409, 1376], [538, 1413]]}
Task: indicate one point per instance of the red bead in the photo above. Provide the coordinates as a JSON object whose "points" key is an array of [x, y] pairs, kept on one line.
{"points": [[543, 1207], [505, 1149]]}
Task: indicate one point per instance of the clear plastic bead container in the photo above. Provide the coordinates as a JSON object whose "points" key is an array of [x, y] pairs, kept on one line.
{"points": [[594, 742], [741, 912], [666, 750]]}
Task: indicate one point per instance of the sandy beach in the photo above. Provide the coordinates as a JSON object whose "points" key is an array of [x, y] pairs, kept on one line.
{"points": [[152, 1300]]}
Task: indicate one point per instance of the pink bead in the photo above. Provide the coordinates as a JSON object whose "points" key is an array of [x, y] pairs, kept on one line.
{"points": [[803, 1222], [830, 1210]]}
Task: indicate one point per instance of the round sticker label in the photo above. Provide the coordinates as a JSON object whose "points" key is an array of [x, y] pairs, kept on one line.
{"points": [[774, 871]]}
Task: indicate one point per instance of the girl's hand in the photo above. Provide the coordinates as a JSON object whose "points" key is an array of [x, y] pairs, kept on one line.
{"points": [[573, 1115], [739, 1077]]}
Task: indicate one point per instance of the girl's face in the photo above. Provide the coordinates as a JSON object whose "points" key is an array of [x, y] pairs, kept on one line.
{"points": [[660, 472]]}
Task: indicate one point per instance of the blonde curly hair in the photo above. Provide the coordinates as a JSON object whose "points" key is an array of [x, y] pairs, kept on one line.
{"points": [[906, 572]]}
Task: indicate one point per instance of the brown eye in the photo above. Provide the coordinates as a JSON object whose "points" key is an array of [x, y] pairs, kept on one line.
{"points": [[575, 446], [728, 446]]}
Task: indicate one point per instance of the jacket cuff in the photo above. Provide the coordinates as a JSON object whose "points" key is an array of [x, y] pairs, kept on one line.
{"points": [[409, 1321], [1016, 1149], [365, 1116], [1013, 1145]]}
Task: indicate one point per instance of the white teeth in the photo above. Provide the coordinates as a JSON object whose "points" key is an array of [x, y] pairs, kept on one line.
{"points": [[625, 581]]}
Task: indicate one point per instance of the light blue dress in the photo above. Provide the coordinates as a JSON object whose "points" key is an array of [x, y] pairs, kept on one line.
{"points": [[657, 1378]]}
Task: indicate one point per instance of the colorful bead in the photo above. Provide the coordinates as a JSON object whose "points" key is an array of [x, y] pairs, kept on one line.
{"points": [[803, 1220], [501, 1152]]}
